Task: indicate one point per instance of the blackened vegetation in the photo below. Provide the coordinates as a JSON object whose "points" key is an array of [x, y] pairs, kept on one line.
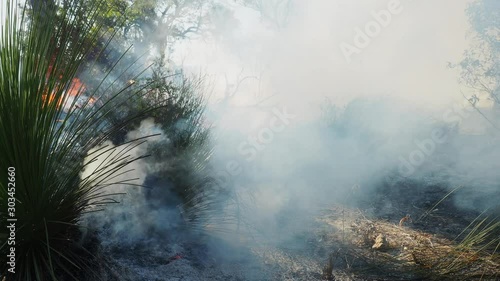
{"points": [[363, 241], [328, 269]]}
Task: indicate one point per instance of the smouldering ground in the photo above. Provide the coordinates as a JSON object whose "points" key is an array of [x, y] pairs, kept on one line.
{"points": [[350, 238], [369, 244], [362, 244]]}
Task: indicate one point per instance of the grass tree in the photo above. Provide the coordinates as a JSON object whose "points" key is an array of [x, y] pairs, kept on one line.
{"points": [[48, 124]]}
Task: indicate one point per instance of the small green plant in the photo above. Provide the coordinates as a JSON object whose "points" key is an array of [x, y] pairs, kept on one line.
{"points": [[481, 240]]}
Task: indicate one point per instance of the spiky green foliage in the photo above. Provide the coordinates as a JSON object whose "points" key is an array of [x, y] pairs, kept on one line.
{"points": [[45, 137], [480, 242], [187, 143]]}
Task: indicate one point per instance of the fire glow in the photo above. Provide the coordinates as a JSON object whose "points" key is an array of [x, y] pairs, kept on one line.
{"points": [[74, 91]]}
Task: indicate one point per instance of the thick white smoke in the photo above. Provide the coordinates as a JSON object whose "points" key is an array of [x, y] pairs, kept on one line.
{"points": [[131, 219], [383, 65]]}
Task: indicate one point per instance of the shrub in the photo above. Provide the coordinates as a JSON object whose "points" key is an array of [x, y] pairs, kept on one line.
{"points": [[45, 135]]}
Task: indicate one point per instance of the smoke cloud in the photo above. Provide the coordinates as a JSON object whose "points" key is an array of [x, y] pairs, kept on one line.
{"points": [[394, 107], [325, 107]]}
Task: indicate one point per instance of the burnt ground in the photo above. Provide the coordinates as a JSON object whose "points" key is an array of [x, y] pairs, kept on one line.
{"points": [[358, 241], [364, 241]]}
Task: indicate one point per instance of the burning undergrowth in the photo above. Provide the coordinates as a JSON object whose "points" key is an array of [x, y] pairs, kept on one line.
{"points": [[381, 189], [273, 200], [270, 218]]}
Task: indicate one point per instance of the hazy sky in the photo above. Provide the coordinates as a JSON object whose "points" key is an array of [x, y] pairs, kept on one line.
{"points": [[303, 62]]}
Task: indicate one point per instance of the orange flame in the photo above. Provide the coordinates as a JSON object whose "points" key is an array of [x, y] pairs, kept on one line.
{"points": [[76, 86], [51, 99], [74, 89]]}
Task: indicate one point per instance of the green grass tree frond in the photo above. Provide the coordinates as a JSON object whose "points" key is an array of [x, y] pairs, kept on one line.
{"points": [[48, 124]]}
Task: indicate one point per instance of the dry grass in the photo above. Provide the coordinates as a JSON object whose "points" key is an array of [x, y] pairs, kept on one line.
{"points": [[407, 251]]}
